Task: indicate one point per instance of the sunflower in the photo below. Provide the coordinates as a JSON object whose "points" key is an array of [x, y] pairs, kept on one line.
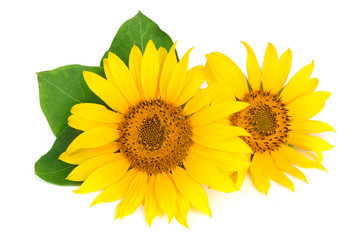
{"points": [[158, 140], [278, 118]]}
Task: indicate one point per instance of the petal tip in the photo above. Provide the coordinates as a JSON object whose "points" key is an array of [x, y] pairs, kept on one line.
{"points": [[321, 167], [150, 44], [95, 201], [172, 49], [271, 45], [86, 73], [62, 156], [292, 188], [69, 177], [111, 55], [247, 46], [77, 191]]}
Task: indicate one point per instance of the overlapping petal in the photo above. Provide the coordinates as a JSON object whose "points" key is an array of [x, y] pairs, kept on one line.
{"points": [[106, 91], [191, 190], [221, 68], [104, 177]]}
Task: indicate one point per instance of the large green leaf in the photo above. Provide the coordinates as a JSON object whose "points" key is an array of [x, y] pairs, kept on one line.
{"points": [[138, 30], [62, 88], [49, 167]]}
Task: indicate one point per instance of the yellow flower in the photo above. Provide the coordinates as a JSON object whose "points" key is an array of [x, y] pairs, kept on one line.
{"points": [[278, 116], [159, 142]]}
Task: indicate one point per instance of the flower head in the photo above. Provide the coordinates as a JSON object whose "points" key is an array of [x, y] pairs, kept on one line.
{"points": [[278, 118], [158, 140]]}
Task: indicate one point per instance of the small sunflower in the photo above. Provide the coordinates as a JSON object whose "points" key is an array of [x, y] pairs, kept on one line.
{"points": [[158, 141], [278, 118]]}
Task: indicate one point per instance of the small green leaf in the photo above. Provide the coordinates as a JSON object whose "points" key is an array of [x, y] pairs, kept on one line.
{"points": [[137, 30], [49, 167], [62, 88]]}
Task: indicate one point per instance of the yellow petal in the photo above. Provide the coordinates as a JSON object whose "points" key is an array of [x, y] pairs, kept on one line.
{"points": [[310, 126], [181, 209], [83, 171], [165, 194], [81, 155], [309, 142], [259, 173], [133, 196], [123, 79], [135, 60], [283, 71], [201, 100], [264, 169], [110, 77], [104, 177], [216, 112], [299, 159], [152, 208], [270, 68], [223, 94], [96, 112], [305, 107], [225, 91], [106, 91], [108, 73], [219, 131], [234, 145], [167, 70], [210, 74], [282, 163], [162, 56], [310, 87], [253, 68], [241, 174], [150, 71], [299, 84], [194, 79], [178, 78], [221, 68], [223, 160], [280, 177], [117, 190], [191, 190], [93, 138], [206, 173], [85, 125]]}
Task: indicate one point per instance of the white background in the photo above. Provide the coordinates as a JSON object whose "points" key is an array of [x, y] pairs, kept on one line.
{"points": [[38, 36]]}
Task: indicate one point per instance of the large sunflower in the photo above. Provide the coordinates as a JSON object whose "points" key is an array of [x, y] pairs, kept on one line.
{"points": [[158, 141], [278, 118]]}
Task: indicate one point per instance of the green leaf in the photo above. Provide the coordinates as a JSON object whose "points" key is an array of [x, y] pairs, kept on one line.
{"points": [[62, 88], [137, 30], [49, 167]]}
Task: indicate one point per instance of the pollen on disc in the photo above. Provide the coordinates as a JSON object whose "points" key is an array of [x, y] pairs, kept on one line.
{"points": [[155, 136], [266, 119]]}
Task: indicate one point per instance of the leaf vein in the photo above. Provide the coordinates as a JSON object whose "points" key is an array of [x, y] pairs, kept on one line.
{"points": [[58, 88], [141, 36], [57, 171]]}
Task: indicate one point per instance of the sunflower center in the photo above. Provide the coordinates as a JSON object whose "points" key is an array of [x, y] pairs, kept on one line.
{"points": [[155, 136], [266, 119], [152, 133]]}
